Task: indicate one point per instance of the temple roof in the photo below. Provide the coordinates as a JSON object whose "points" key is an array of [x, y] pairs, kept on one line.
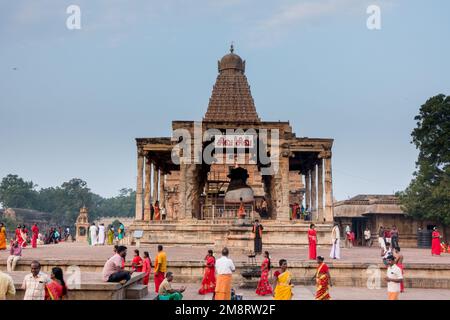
{"points": [[231, 99], [365, 204]]}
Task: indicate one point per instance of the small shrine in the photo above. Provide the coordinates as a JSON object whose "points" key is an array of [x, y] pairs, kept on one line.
{"points": [[82, 225]]}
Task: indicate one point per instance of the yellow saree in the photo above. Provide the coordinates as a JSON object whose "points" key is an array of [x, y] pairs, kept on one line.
{"points": [[283, 290]]}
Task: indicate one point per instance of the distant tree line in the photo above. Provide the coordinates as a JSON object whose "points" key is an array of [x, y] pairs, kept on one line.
{"points": [[64, 202]]}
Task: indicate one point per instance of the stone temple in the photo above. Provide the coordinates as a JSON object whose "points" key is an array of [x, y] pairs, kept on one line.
{"points": [[281, 168]]}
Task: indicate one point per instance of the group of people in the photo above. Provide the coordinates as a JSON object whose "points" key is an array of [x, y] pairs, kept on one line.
{"points": [[37, 285], [99, 236], [298, 211], [26, 238], [157, 212]]}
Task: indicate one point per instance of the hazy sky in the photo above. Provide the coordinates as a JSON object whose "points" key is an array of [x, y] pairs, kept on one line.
{"points": [[72, 101]]}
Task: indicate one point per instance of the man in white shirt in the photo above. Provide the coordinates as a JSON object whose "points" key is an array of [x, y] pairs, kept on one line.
{"points": [[224, 268], [34, 283], [335, 242], [394, 278]]}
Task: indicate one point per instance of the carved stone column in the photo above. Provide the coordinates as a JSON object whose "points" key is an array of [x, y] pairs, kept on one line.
{"points": [[307, 190], [155, 184], [162, 194], [282, 189], [140, 167], [313, 193], [320, 190], [148, 179], [329, 215], [182, 193]]}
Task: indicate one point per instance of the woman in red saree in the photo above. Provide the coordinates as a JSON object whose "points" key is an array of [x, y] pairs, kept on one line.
{"points": [[35, 232], [435, 242], [146, 267], [19, 238], [56, 289], [323, 280], [209, 278], [312, 239], [137, 263], [264, 287]]}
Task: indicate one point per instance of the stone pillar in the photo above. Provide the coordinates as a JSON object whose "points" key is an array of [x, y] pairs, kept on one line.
{"points": [[148, 179], [282, 189], [329, 215], [313, 193], [320, 190], [140, 167], [162, 194], [307, 190], [182, 192], [155, 183]]}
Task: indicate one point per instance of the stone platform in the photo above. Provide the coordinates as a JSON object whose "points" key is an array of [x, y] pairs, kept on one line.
{"points": [[353, 270], [90, 286], [219, 233]]}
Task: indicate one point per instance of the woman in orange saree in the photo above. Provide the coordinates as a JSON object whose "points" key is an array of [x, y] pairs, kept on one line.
{"points": [[435, 242], [146, 267], [157, 215], [209, 278], [264, 287], [312, 239], [2, 236], [56, 289], [323, 280]]}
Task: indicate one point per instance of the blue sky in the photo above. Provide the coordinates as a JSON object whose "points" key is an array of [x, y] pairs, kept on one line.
{"points": [[78, 98]]}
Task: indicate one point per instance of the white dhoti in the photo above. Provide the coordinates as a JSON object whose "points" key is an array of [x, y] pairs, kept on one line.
{"points": [[336, 250], [93, 236], [101, 235]]}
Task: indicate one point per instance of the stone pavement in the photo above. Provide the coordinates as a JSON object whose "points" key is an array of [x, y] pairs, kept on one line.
{"points": [[307, 293], [75, 251]]}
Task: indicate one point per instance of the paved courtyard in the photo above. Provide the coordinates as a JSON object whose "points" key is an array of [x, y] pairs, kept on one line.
{"points": [[75, 251], [307, 293]]}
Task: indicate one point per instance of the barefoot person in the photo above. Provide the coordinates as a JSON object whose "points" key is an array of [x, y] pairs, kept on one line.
{"points": [[113, 271], [209, 277], [2, 236], [399, 262], [312, 239], [323, 280], [257, 231], [264, 287], [166, 292], [335, 242], [160, 267], [146, 267], [224, 268], [435, 242], [35, 235], [283, 282]]}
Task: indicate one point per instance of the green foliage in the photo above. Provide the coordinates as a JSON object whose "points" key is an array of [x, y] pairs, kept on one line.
{"points": [[428, 195], [65, 201], [17, 193]]}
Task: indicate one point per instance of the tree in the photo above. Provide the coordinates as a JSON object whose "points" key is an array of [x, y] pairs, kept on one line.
{"points": [[428, 194], [17, 193]]}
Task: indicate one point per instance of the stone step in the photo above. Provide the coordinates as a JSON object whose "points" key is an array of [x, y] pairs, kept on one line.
{"points": [[136, 292]]}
